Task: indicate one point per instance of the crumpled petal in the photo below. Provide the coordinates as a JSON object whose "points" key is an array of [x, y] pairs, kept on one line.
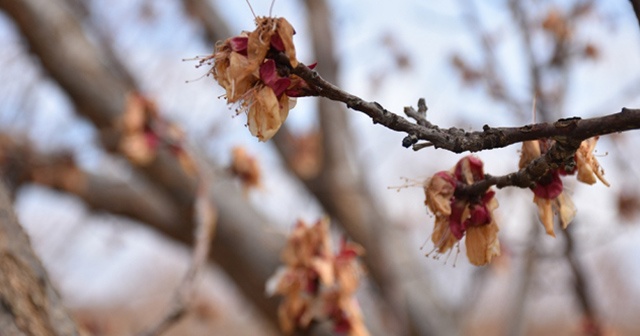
{"points": [[545, 213], [285, 32], [439, 191], [266, 113], [482, 243], [530, 151], [588, 167], [566, 209], [442, 237], [237, 80]]}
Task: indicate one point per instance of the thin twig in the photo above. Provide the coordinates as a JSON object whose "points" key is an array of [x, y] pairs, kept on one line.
{"points": [[205, 219], [458, 140]]}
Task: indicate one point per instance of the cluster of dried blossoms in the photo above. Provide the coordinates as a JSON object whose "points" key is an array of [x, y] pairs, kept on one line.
{"points": [[457, 216], [144, 131], [548, 192], [316, 283], [242, 66], [474, 216]]}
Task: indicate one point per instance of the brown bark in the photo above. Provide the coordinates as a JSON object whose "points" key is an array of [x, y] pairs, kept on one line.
{"points": [[29, 305]]}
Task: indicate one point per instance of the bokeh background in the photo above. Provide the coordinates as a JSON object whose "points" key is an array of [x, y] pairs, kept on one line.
{"points": [[497, 62]]}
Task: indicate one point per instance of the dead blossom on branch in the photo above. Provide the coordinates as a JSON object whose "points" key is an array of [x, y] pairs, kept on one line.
{"points": [[241, 65], [549, 193], [457, 216]]}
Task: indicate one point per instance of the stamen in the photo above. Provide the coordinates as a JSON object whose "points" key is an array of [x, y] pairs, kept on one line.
{"points": [[271, 7], [252, 12], [409, 183]]}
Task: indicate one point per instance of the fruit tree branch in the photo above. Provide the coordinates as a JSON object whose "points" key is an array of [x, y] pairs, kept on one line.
{"points": [[458, 140]]}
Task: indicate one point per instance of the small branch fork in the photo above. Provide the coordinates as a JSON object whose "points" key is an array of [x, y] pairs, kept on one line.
{"points": [[568, 133]]}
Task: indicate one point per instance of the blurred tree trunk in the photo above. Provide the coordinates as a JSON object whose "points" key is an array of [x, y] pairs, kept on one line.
{"points": [[29, 305]]}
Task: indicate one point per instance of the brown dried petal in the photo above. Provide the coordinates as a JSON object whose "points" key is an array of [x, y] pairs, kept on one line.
{"points": [[530, 152], [588, 166], [438, 191], [442, 237], [566, 209], [324, 268], [545, 213], [238, 79], [348, 276], [353, 313], [482, 243], [286, 31], [266, 114], [260, 42], [290, 310], [307, 243]]}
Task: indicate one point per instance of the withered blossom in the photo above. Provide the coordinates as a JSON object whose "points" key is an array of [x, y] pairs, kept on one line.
{"points": [[549, 195], [588, 167], [316, 283], [457, 217], [241, 65]]}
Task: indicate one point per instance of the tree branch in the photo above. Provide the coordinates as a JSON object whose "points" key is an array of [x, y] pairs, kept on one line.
{"points": [[30, 304], [458, 140]]}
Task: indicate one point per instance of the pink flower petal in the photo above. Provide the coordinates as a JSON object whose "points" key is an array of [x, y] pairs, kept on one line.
{"points": [[269, 76], [239, 44], [276, 42], [551, 189], [456, 225]]}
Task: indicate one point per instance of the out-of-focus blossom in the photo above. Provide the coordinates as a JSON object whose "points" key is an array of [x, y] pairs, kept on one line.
{"points": [[246, 168], [316, 283]]}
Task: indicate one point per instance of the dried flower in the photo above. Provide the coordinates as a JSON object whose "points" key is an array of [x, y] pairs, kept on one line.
{"points": [[587, 165], [455, 217], [549, 195], [252, 80], [316, 283]]}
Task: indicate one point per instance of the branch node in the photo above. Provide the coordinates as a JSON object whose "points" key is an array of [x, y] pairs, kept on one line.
{"points": [[567, 122], [419, 146], [422, 107], [409, 140]]}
